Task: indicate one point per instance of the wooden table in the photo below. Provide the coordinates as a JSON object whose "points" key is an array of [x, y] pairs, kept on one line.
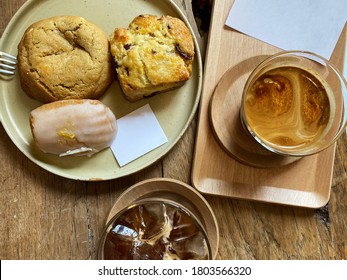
{"points": [[44, 216]]}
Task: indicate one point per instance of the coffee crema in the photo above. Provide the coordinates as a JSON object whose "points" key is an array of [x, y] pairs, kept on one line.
{"points": [[288, 108]]}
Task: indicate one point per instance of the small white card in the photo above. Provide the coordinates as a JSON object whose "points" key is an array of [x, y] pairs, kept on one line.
{"points": [[138, 133], [310, 25]]}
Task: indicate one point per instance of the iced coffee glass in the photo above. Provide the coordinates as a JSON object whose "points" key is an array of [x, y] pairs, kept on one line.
{"points": [[294, 103], [154, 229]]}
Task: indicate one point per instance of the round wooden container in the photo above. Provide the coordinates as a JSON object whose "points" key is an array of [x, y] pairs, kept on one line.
{"points": [[176, 191]]}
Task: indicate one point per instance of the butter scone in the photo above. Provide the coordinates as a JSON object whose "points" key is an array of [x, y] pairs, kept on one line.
{"points": [[152, 55], [64, 57]]}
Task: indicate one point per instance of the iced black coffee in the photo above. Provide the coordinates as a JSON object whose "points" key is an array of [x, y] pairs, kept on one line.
{"points": [[155, 231]]}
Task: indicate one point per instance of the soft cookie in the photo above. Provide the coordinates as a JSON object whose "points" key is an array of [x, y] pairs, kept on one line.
{"points": [[64, 57]]}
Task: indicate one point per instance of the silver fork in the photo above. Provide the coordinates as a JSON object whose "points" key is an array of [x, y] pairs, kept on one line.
{"points": [[7, 64]]}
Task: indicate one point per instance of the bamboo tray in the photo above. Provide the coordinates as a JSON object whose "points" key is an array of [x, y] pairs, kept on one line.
{"points": [[305, 183]]}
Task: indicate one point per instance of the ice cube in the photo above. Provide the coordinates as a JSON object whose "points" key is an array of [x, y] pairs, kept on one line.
{"points": [[183, 226], [146, 251], [153, 219], [118, 244], [193, 247]]}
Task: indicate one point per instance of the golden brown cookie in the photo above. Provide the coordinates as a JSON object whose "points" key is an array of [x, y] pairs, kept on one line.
{"points": [[64, 57], [152, 55]]}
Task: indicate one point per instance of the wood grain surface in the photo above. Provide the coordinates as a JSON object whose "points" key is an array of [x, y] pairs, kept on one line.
{"points": [[44, 216]]}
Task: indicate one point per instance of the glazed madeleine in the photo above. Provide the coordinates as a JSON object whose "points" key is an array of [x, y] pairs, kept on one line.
{"points": [[73, 127]]}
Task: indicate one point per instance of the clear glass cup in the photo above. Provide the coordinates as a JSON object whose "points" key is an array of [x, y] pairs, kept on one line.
{"points": [[155, 228], [294, 103]]}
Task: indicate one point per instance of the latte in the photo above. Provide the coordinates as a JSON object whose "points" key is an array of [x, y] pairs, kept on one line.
{"points": [[288, 108]]}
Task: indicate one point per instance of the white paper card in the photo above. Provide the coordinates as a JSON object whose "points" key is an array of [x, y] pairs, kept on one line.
{"points": [[310, 25], [138, 133]]}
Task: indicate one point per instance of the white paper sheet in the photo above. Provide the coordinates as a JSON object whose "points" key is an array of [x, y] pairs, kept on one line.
{"points": [[311, 25], [138, 133]]}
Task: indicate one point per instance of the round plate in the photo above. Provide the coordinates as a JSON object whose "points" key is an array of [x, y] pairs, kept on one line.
{"points": [[226, 124], [174, 110], [166, 187]]}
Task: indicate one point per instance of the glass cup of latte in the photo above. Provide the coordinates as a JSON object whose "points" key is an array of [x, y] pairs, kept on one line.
{"points": [[294, 103]]}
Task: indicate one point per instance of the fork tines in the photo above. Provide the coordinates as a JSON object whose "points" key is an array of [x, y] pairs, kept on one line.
{"points": [[7, 63]]}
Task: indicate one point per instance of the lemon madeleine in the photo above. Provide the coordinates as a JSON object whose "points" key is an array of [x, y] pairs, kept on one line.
{"points": [[73, 127]]}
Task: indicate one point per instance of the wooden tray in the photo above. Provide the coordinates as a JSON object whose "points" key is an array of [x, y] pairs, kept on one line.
{"points": [[305, 182]]}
